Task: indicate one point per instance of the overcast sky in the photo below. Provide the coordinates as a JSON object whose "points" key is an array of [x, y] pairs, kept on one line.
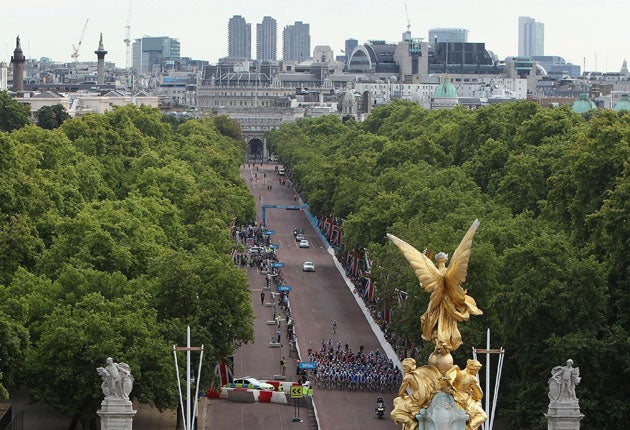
{"points": [[595, 31]]}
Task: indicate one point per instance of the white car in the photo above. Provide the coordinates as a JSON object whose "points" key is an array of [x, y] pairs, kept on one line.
{"points": [[308, 266], [253, 383], [304, 243]]}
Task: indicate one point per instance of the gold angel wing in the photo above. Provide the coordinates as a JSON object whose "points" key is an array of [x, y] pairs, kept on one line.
{"points": [[425, 270], [456, 272]]}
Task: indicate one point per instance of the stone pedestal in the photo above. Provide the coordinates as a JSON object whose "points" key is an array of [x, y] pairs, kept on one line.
{"points": [[116, 414], [564, 415], [442, 414]]}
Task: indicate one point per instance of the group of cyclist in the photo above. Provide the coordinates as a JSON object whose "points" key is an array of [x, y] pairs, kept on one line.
{"points": [[340, 368]]}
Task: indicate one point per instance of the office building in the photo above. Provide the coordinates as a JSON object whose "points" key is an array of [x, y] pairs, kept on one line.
{"points": [[448, 35], [267, 39], [153, 55], [296, 42], [531, 37], [349, 46], [239, 38]]}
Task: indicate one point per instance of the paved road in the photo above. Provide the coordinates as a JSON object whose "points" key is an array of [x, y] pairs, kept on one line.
{"points": [[316, 299]]}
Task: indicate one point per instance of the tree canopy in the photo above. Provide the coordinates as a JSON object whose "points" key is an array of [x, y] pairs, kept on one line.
{"points": [[549, 264], [116, 236]]}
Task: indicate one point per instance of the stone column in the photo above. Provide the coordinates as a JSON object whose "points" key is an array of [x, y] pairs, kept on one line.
{"points": [[116, 414], [442, 414], [100, 55], [18, 61]]}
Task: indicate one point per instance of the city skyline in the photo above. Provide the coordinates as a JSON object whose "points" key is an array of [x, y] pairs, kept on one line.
{"points": [[582, 32]]}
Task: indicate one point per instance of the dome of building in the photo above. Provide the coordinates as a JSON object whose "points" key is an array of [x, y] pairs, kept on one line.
{"points": [[446, 89], [623, 104], [583, 104]]}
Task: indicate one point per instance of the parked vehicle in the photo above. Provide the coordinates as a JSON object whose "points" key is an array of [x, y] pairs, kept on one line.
{"points": [[252, 383]]}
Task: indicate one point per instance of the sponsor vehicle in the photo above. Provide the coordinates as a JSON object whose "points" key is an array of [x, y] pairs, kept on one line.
{"points": [[304, 244], [308, 266], [299, 237]]}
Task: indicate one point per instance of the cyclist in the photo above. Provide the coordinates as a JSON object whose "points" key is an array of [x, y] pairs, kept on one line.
{"points": [[334, 326]]}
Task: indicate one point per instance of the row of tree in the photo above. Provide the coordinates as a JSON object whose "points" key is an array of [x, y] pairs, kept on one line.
{"points": [[115, 236], [550, 265]]}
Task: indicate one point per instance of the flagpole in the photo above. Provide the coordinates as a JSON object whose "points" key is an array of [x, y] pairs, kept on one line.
{"points": [[188, 419], [487, 372]]}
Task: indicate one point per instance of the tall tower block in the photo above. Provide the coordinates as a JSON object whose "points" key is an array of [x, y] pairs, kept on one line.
{"points": [[100, 70], [18, 61]]}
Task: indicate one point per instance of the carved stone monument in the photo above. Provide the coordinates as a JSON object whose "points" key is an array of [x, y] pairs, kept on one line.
{"points": [[441, 396], [116, 409], [564, 409], [442, 414]]}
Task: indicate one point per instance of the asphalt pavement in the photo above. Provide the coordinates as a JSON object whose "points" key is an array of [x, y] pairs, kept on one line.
{"points": [[316, 299]]}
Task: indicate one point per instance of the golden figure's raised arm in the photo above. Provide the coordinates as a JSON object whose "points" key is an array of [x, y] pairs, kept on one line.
{"points": [[425, 270], [457, 268]]}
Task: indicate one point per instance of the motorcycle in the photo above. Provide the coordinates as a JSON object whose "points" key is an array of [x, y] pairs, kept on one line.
{"points": [[380, 410]]}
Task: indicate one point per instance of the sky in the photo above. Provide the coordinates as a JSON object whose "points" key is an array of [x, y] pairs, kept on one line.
{"points": [[594, 33]]}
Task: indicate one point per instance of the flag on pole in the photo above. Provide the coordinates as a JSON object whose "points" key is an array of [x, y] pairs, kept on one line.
{"points": [[370, 289], [225, 373], [368, 262], [402, 297]]}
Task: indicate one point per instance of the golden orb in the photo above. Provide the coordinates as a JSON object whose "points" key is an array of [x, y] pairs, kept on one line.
{"points": [[442, 362]]}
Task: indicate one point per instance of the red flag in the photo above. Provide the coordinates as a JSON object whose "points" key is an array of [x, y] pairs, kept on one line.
{"points": [[224, 372]]}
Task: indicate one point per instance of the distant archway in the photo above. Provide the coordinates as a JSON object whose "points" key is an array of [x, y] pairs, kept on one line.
{"points": [[256, 149]]}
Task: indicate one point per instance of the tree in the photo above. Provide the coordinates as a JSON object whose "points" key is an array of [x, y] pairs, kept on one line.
{"points": [[51, 117], [13, 115], [77, 338]]}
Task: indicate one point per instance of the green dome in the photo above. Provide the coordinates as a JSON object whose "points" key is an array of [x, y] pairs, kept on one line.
{"points": [[583, 104], [446, 89], [623, 104]]}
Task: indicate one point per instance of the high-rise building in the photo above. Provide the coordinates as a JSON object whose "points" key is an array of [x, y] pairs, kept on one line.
{"points": [[296, 42], [458, 35], [531, 37], [239, 38], [267, 39], [349, 47], [155, 54]]}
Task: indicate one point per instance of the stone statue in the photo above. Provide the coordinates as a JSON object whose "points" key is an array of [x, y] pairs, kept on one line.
{"points": [[117, 379], [422, 383], [449, 303], [563, 381]]}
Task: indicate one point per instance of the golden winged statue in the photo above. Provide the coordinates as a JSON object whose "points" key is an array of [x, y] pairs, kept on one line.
{"points": [[449, 303]]}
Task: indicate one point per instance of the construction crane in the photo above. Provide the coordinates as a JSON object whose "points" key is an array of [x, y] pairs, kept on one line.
{"points": [[75, 48], [128, 40]]}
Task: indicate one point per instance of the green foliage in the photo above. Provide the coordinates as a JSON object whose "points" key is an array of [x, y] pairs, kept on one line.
{"points": [[13, 115], [549, 267], [51, 117], [92, 214]]}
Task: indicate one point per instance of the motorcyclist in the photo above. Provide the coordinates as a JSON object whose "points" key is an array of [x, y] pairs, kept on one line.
{"points": [[380, 406]]}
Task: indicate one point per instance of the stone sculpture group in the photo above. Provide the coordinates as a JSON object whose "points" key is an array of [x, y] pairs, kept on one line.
{"points": [[117, 379]]}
